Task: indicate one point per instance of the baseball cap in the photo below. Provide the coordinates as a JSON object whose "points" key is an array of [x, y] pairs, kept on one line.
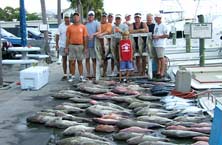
{"points": [[118, 16], [66, 16], [91, 13], [76, 13], [137, 15], [126, 15], [104, 14], [110, 14], [158, 15]]}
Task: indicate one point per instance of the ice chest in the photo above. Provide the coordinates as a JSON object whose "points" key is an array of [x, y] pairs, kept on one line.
{"points": [[34, 77]]}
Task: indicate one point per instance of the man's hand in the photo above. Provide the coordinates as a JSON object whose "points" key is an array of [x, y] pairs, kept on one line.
{"points": [[90, 37], [156, 37]]}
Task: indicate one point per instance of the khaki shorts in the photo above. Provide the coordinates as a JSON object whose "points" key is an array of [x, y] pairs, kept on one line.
{"points": [[76, 52], [91, 53], [62, 51], [159, 52]]}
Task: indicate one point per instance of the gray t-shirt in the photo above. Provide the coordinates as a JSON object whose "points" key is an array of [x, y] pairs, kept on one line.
{"points": [[92, 27]]}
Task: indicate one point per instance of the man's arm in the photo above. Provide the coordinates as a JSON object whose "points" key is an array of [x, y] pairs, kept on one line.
{"points": [[67, 41], [57, 41]]}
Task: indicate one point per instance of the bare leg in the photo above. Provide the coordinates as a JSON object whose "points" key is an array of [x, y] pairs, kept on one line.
{"points": [[162, 69], [88, 66], [80, 67], [144, 62], [120, 75], [127, 74], [64, 64], [72, 66], [94, 67], [138, 64], [104, 67], [159, 66]]}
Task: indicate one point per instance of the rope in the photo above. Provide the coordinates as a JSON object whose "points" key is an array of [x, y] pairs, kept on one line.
{"points": [[185, 95]]}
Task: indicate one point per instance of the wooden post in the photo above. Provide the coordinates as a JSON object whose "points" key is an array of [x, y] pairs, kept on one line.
{"points": [[202, 44], [1, 77]]}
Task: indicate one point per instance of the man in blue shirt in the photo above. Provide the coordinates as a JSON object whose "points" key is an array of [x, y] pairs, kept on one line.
{"points": [[93, 28]]}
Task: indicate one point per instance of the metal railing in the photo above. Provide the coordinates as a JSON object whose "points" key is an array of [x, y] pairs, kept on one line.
{"points": [[112, 45]]}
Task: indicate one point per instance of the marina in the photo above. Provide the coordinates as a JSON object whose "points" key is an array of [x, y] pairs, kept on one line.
{"points": [[182, 107]]}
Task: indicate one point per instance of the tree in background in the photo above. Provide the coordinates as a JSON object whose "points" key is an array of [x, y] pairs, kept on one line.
{"points": [[9, 13], [87, 5]]}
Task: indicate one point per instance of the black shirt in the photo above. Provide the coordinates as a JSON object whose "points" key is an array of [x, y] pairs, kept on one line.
{"points": [[151, 27]]}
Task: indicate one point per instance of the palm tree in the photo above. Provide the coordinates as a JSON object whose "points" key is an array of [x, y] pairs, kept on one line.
{"points": [[46, 36], [59, 11], [95, 5]]}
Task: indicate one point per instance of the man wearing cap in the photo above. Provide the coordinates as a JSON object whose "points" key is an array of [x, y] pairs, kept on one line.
{"points": [[139, 27], [110, 18], [127, 18], [61, 43], [106, 29], [118, 29], [76, 45], [149, 22], [93, 28], [159, 36]]}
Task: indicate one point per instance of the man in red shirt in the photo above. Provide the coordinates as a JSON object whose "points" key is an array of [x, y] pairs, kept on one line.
{"points": [[125, 56]]}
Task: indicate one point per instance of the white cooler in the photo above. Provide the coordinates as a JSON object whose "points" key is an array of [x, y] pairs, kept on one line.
{"points": [[34, 78]]}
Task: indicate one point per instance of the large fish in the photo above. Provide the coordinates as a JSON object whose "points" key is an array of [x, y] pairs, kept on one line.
{"points": [[66, 94], [150, 111], [182, 133], [39, 118], [139, 139], [136, 129], [125, 91], [91, 135], [81, 141], [105, 96], [66, 116], [124, 99], [148, 97], [79, 105], [195, 119], [201, 138], [70, 109], [143, 104], [125, 123], [100, 110], [72, 130], [201, 143], [80, 100], [125, 135], [93, 89], [59, 123], [156, 143], [155, 119], [105, 121], [106, 128]]}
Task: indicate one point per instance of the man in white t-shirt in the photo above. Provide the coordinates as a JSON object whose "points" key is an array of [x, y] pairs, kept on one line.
{"points": [[61, 43], [159, 37]]}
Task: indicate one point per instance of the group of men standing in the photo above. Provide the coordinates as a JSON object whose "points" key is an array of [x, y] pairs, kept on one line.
{"points": [[77, 41]]}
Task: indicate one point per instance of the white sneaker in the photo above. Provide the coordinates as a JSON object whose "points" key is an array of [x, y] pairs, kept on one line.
{"points": [[113, 74], [71, 79], [82, 79]]}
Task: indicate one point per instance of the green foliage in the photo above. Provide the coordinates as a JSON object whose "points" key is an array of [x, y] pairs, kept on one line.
{"points": [[9, 13], [95, 5]]}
